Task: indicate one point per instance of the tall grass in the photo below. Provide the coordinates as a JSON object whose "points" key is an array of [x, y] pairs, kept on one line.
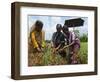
{"points": [[83, 53], [49, 58]]}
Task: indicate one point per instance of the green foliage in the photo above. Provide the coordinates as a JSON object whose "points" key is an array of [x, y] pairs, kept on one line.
{"points": [[46, 56], [55, 59], [52, 59], [49, 58], [83, 53], [84, 38]]}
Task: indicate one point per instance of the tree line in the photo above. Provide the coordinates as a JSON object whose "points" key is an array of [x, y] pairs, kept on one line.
{"points": [[83, 37]]}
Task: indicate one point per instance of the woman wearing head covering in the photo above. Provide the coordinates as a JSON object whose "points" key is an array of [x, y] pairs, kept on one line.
{"points": [[37, 36], [73, 45], [58, 40]]}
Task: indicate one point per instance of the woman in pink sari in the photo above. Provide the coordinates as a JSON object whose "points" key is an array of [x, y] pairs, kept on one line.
{"points": [[73, 43]]}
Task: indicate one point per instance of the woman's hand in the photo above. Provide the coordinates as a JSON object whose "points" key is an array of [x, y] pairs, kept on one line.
{"points": [[39, 50]]}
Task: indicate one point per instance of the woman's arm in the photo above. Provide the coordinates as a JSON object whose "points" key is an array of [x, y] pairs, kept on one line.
{"points": [[34, 42]]}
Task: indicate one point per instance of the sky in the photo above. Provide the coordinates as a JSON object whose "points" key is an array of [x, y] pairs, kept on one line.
{"points": [[50, 22]]}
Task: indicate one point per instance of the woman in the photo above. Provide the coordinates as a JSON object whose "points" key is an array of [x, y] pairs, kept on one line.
{"points": [[73, 45], [58, 40], [37, 36]]}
